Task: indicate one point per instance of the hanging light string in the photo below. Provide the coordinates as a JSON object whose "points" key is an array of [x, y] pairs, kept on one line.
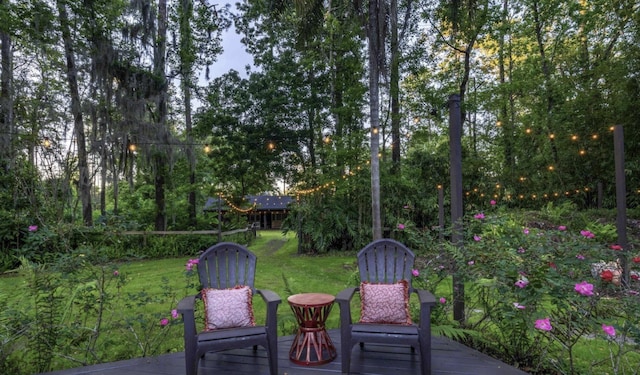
{"points": [[236, 208]]}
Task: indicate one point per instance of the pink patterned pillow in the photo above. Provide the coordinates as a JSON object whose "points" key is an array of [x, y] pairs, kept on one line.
{"points": [[228, 308], [385, 303]]}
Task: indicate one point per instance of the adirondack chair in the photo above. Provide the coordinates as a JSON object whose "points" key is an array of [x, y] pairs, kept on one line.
{"points": [[223, 267], [383, 264]]}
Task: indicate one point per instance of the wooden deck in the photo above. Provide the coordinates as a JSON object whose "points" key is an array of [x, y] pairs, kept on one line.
{"points": [[449, 358]]}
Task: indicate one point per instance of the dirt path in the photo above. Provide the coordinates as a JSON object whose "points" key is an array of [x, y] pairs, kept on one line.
{"points": [[274, 245]]}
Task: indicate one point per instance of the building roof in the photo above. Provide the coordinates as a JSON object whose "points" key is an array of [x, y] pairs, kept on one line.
{"points": [[261, 202]]}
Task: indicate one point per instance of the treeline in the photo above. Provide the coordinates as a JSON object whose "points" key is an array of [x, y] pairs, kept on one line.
{"points": [[107, 113]]}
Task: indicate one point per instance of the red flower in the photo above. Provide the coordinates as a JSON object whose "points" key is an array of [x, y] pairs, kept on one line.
{"points": [[615, 247], [636, 259], [606, 275], [635, 277], [553, 265]]}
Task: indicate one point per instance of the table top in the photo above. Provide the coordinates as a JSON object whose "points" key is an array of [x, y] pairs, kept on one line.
{"points": [[311, 299]]}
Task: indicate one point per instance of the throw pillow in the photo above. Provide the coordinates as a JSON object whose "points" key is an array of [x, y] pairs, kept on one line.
{"points": [[385, 303], [228, 308]]}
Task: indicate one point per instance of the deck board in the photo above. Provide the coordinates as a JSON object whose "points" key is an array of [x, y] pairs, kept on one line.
{"points": [[449, 358]]}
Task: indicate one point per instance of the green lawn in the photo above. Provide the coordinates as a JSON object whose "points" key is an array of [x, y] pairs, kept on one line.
{"points": [[277, 261]]}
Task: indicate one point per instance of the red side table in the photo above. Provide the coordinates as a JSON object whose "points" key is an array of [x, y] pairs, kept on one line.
{"points": [[312, 345]]}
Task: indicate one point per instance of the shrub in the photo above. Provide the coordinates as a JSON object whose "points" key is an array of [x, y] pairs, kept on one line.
{"points": [[536, 296]]}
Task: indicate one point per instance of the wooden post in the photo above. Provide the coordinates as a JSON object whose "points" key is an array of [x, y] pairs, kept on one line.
{"points": [[441, 211], [455, 170], [621, 200], [219, 217]]}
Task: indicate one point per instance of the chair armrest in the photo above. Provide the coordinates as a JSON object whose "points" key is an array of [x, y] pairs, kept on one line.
{"points": [[427, 301], [186, 308], [269, 296], [425, 297], [187, 304], [343, 299], [272, 300]]}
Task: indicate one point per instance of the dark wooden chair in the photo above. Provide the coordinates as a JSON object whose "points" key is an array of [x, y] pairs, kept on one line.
{"points": [[386, 261], [226, 265]]}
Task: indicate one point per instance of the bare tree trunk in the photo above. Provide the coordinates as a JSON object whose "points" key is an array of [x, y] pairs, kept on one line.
{"points": [[160, 158], [546, 71], [504, 119], [84, 185], [374, 110], [6, 100], [186, 57], [395, 89]]}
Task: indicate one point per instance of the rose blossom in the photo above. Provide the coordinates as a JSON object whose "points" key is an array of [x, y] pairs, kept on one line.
{"points": [[584, 288], [543, 324], [609, 330]]}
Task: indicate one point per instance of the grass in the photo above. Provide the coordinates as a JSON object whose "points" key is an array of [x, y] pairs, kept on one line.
{"points": [[279, 268]]}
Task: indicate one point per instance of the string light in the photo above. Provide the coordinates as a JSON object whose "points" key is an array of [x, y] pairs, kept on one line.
{"points": [[568, 193], [236, 208]]}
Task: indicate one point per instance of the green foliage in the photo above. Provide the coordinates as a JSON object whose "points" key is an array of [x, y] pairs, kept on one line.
{"points": [[517, 275], [79, 312], [11, 333]]}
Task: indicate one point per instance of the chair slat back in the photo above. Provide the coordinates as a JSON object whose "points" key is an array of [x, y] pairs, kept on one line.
{"points": [[225, 265], [386, 261]]}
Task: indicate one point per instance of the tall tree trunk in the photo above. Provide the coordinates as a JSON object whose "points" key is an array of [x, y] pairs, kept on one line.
{"points": [[546, 72], [395, 89], [374, 111], [186, 63], [84, 185], [6, 96], [506, 106], [159, 156]]}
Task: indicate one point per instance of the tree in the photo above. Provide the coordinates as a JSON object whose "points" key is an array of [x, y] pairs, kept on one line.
{"points": [[84, 183], [374, 36], [6, 92]]}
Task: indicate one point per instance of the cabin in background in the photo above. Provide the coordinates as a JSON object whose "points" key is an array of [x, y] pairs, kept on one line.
{"points": [[267, 211]]}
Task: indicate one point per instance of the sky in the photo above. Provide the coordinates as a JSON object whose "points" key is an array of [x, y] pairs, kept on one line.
{"points": [[233, 56]]}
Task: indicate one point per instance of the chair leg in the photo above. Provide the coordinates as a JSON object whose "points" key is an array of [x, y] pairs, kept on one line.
{"points": [[272, 354], [346, 357], [192, 366], [425, 355]]}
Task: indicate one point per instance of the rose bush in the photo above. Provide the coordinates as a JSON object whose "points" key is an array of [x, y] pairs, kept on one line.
{"points": [[532, 297]]}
